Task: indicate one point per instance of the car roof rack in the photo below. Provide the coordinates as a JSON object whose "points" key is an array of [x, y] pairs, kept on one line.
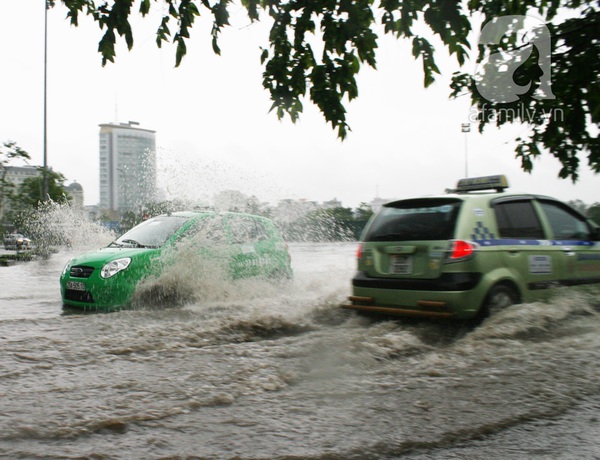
{"points": [[498, 182]]}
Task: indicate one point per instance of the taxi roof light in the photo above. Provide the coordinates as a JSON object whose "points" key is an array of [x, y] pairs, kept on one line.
{"points": [[498, 182]]}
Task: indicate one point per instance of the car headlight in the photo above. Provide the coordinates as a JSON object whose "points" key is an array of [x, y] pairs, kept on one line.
{"points": [[114, 267], [67, 266]]}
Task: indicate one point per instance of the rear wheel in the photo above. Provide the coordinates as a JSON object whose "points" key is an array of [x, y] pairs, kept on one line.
{"points": [[280, 275], [500, 297]]}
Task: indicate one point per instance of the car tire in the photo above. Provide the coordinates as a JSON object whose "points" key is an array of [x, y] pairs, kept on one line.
{"points": [[280, 276], [499, 298]]}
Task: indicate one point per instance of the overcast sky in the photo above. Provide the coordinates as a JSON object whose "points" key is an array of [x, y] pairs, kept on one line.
{"points": [[213, 126]]}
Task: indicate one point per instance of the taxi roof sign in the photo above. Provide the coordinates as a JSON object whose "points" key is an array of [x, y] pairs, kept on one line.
{"points": [[471, 184]]}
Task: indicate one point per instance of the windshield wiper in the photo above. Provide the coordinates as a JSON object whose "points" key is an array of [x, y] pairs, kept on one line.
{"points": [[131, 243], [134, 243]]}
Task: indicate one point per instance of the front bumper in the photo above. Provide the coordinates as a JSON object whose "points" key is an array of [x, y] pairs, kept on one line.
{"points": [[98, 294]]}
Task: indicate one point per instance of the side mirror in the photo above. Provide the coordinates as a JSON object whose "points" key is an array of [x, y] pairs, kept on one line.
{"points": [[596, 234]]}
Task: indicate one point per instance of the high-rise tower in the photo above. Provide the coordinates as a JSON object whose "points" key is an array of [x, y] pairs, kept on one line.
{"points": [[127, 166]]}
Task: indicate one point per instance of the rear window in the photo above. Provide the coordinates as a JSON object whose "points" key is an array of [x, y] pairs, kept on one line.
{"points": [[247, 230], [412, 220]]}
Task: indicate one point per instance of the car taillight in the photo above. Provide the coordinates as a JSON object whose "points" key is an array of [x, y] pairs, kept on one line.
{"points": [[460, 250], [359, 252]]}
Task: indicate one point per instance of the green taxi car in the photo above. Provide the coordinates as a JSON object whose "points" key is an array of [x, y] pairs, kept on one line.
{"points": [[471, 252], [239, 245]]}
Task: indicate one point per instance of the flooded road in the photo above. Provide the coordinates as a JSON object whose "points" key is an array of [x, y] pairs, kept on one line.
{"points": [[252, 370]]}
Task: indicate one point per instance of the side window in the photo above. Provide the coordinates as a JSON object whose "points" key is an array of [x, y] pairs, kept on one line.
{"points": [[246, 230], [207, 231], [565, 224], [262, 233], [518, 219]]}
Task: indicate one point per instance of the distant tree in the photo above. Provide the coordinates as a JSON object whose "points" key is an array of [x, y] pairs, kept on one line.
{"points": [[129, 220], [254, 206], [593, 212], [328, 224], [578, 205], [33, 214], [361, 216], [104, 217], [9, 151], [29, 195], [363, 212], [564, 118]]}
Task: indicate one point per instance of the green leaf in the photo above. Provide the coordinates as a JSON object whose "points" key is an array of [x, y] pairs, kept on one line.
{"points": [[145, 7], [181, 49]]}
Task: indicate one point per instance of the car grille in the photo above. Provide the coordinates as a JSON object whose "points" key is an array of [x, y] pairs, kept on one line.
{"points": [[81, 271], [79, 296]]}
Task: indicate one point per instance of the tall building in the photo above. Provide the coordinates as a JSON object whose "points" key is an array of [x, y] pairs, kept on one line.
{"points": [[13, 177], [127, 166]]}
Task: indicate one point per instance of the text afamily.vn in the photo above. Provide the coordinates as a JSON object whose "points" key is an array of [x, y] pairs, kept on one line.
{"points": [[519, 112]]}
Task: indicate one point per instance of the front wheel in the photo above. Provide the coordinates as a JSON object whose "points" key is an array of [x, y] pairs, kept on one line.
{"points": [[499, 298]]}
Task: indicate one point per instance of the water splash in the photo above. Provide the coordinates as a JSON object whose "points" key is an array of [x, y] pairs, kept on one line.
{"points": [[187, 274], [199, 180], [198, 270], [527, 321], [226, 187], [54, 225]]}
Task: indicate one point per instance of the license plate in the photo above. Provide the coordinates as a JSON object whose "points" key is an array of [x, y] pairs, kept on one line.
{"points": [[76, 285], [401, 265]]}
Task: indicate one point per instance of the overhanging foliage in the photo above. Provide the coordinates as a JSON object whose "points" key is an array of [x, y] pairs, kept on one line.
{"points": [[566, 125]]}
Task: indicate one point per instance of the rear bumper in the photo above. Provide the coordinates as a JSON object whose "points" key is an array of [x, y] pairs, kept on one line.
{"points": [[453, 295], [428, 309], [446, 282]]}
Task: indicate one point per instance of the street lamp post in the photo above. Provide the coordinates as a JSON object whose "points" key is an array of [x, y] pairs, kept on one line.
{"points": [[45, 169], [466, 128]]}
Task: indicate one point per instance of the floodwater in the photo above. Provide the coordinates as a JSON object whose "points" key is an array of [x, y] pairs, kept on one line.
{"points": [[252, 370]]}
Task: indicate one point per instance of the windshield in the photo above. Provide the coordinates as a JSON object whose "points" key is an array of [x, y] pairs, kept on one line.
{"points": [[412, 220], [152, 233]]}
